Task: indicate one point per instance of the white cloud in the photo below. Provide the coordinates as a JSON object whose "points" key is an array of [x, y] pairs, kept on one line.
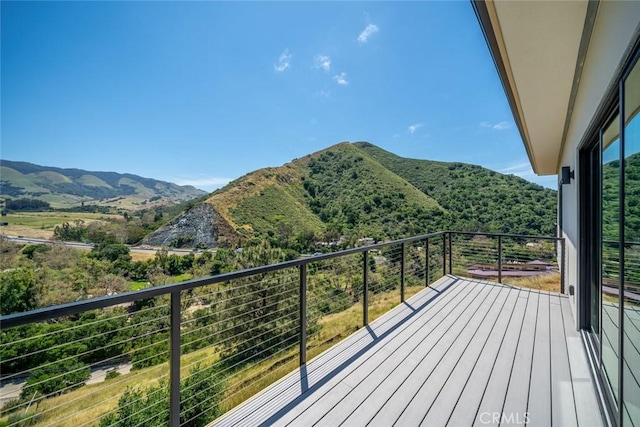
{"points": [[369, 30], [414, 128], [523, 170], [502, 126], [284, 61], [324, 93], [341, 79], [497, 126], [322, 61], [516, 167], [209, 183]]}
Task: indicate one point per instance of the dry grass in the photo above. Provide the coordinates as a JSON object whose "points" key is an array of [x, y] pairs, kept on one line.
{"points": [[247, 186], [26, 231], [545, 282], [40, 225], [141, 256]]}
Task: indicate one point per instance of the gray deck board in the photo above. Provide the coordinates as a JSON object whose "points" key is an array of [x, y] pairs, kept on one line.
{"points": [[323, 369], [540, 385], [563, 408], [468, 402], [381, 386], [447, 396], [443, 358], [496, 389], [398, 408], [436, 315], [517, 394], [424, 399], [585, 396], [404, 360]]}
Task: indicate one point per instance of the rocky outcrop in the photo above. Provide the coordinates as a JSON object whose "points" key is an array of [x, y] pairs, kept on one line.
{"points": [[199, 227]]}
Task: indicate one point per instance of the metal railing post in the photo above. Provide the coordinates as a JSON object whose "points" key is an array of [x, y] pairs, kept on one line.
{"points": [[499, 259], [563, 261], [426, 267], [365, 290], [450, 256], [174, 363], [444, 254], [303, 314], [402, 270]]}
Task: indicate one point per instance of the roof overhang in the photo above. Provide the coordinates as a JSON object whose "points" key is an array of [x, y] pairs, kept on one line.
{"points": [[538, 48]]}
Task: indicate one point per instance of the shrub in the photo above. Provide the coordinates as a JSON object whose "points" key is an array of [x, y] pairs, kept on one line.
{"points": [[200, 394], [56, 378], [112, 373]]}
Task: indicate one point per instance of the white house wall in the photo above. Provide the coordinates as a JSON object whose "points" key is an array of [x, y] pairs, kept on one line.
{"points": [[616, 26]]}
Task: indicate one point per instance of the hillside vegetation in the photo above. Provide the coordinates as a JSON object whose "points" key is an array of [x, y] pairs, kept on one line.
{"points": [[71, 187], [359, 190], [476, 198]]}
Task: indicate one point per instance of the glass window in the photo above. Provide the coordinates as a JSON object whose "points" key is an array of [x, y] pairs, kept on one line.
{"points": [[610, 250], [631, 285]]}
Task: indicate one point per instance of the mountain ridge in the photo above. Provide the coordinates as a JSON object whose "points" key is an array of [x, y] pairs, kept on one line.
{"points": [[360, 190], [65, 187]]}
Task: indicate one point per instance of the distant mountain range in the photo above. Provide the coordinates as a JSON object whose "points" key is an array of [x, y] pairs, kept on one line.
{"points": [[71, 187], [360, 190]]}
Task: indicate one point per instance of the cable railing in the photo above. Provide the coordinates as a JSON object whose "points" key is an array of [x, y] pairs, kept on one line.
{"points": [[528, 261], [185, 353]]}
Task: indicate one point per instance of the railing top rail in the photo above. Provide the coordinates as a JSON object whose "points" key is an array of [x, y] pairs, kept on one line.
{"points": [[76, 307]]}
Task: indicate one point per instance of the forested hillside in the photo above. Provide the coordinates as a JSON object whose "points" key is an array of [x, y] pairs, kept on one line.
{"points": [[476, 198], [352, 193], [359, 190]]}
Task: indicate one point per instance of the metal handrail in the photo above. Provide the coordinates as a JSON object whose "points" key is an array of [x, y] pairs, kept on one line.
{"points": [[76, 307]]}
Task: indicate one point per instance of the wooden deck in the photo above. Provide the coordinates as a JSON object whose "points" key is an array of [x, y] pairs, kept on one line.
{"points": [[463, 352]]}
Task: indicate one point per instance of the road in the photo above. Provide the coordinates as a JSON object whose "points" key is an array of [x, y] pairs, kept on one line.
{"points": [[88, 246], [11, 389]]}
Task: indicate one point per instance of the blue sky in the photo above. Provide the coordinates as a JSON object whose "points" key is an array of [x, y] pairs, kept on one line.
{"points": [[203, 92]]}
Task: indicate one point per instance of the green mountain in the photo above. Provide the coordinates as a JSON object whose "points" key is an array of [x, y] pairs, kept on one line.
{"points": [[611, 199], [359, 190], [476, 198], [71, 187]]}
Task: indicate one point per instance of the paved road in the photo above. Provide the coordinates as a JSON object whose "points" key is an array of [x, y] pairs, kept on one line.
{"points": [[87, 246], [10, 390]]}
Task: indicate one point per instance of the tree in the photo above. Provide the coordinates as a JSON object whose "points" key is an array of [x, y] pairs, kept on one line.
{"points": [[26, 204], [69, 232], [56, 378], [261, 311], [111, 252], [17, 291], [30, 250]]}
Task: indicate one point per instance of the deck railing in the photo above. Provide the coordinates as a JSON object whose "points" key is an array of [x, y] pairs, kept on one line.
{"points": [[181, 354]]}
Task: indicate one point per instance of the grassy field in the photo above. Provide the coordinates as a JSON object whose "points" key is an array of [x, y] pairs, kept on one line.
{"points": [[86, 405], [41, 224], [545, 282], [142, 256], [138, 284]]}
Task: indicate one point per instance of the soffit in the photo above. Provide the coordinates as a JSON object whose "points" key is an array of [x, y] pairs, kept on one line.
{"points": [[538, 43]]}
